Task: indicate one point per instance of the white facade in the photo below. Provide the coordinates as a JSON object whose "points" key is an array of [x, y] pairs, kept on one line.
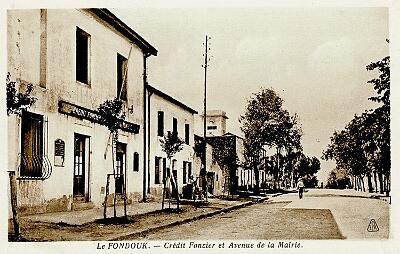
{"points": [[163, 110], [42, 50]]}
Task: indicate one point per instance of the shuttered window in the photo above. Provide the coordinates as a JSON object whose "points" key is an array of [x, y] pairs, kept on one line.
{"points": [[122, 76], [31, 145], [82, 56]]}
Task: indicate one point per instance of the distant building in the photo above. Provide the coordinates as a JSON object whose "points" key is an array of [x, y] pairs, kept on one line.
{"points": [[227, 150], [216, 123], [215, 175], [76, 59]]}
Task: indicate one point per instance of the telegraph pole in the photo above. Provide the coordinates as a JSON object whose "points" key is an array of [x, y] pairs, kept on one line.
{"points": [[204, 173]]}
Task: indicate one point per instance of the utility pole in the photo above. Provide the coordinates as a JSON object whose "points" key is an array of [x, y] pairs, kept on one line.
{"points": [[204, 173]]}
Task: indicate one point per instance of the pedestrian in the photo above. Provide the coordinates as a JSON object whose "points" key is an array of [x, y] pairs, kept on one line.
{"points": [[300, 187]]}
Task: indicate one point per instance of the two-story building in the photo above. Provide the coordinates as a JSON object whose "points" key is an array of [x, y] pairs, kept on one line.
{"points": [[76, 59], [167, 114]]}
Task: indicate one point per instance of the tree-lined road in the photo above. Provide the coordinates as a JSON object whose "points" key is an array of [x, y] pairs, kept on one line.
{"points": [[319, 215]]}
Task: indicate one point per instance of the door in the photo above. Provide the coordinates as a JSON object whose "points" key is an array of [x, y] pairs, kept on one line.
{"points": [[120, 168], [79, 166], [210, 182]]}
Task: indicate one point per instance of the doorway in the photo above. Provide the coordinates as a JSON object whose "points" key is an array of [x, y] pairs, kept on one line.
{"points": [[120, 168], [81, 168]]}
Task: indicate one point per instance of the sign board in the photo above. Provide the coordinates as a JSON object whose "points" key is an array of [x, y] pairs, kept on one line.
{"points": [[59, 153], [91, 115]]}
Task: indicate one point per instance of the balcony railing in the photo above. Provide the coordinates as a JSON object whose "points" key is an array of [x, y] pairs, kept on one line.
{"points": [[34, 167]]}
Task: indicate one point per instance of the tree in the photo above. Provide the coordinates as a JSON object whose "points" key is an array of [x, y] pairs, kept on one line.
{"points": [[112, 116], [259, 124], [290, 142], [363, 147], [380, 122], [18, 101], [266, 123], [307, 169], [382, 83], [170, 144], [338, 179], [347, 149]]}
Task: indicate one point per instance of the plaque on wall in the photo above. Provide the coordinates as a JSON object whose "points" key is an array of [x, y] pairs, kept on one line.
{"points": [[59, 153]]}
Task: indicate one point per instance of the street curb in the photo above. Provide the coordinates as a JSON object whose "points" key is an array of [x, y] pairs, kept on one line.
{"points": [[123, 236], [348, 196]]}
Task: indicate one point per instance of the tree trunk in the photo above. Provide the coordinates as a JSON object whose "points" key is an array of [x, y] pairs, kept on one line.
{"points": [[358, 183], [370, 189], [257, 178], [387, 185], [114, 143], [277, 166], [380, 176], [355, 182], [362, 183], [106, 197], [376, 182], [165, 177]]}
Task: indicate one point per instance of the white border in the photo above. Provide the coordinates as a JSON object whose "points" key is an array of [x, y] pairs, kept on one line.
{"points": [[325, 247]]}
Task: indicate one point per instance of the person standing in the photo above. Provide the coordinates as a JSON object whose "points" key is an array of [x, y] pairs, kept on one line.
{"points": [[300, 187]]}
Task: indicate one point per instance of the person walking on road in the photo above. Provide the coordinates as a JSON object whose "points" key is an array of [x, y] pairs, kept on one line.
{"points": [[300, 187]]}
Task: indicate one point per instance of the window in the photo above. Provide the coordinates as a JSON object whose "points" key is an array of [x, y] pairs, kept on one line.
{"points": [[82, 56], [122, 74], [189, 166], [175, 126], [164, 168], [187, 134], [32, 145], [136, 162], [160, 129], [184, 172], [213, 127], [157, 170]]}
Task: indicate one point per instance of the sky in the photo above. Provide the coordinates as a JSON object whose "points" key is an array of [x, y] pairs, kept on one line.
{"points": [[314, 58]]}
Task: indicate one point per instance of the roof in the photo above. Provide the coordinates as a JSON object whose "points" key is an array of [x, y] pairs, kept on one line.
{"points": [[217, 112], [170, 99], [232, 134], [123, 28]]}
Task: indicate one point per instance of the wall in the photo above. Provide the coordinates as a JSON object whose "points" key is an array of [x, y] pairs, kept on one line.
{"points": [[219, 122], [24, 47], [212, 166]]}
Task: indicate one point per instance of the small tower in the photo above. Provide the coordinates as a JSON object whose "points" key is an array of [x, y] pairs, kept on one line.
{"points": [[216, 123]]}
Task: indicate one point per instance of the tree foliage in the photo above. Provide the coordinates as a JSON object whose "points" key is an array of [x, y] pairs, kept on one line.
{"points": [[382, 83], [112, 115], [307, 168], [338, 179], [171, 144], [224, 153], [266, 123], [18, 101], [363, 146]]}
